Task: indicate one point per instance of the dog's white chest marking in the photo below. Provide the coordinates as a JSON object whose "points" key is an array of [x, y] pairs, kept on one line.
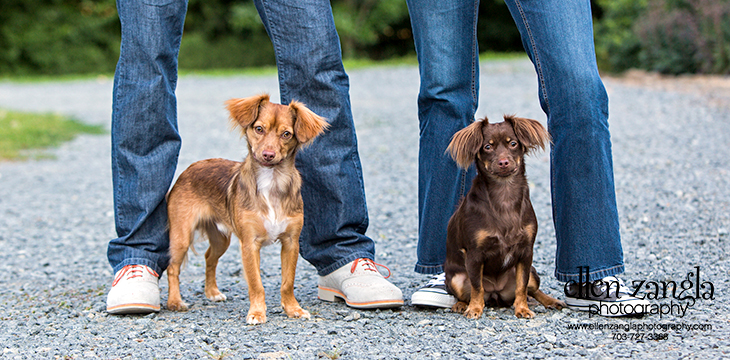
{"points": [[507, 260], [274, 223]]}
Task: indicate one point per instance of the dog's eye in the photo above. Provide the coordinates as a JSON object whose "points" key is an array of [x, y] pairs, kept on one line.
{"points": [[259, 129], [286, 135], [487, 147], [513, 143]]}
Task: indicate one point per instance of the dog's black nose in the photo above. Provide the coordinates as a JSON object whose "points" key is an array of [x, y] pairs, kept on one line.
{"points": [[268, 155]]}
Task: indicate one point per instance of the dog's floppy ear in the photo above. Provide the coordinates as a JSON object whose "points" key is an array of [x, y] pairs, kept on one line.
{"points": [[465, 144], [245, 111], [307, 124], [529, 132]]}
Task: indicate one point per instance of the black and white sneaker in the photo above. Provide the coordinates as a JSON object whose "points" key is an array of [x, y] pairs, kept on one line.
{"points": [[434, 294], [606, 297]]}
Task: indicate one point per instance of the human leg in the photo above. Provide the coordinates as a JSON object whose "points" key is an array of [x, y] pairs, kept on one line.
{"points": [[444, 33], [145, 140], [309, 61], [558, 37], [310, 70]]}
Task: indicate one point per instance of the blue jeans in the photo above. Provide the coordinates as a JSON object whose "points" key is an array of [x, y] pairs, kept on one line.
{"points": [[145, 140], [309, 62], [558, 38]]}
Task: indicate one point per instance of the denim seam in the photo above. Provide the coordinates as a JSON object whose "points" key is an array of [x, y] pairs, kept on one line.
{"points": [[117, 186], [475, 55], [362, 227], [462, 184], [283, 90], [535, 56], [474, 94]]}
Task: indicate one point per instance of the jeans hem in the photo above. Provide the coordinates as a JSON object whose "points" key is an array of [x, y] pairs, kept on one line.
{"points": [[429, 269], [139, 261], [344, 261], [592, 276]]}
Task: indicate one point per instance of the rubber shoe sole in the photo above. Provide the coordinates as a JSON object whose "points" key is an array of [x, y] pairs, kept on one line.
{"points": [[425, 297], [333, 295], [132, 309], [434, 294]]}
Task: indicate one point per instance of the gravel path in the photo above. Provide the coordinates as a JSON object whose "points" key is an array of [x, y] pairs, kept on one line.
{"points": [[672, 171]]}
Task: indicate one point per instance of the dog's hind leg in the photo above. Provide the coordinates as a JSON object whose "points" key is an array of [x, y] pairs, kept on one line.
{"points": [[181, 236], [533, 289], [458, 284], [219, 242]]}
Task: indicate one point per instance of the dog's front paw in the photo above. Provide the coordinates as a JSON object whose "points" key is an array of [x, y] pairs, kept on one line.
{"points": [[297, 313], [173, 305], [215, 295], [473, 312], [524, 312], [459, 307], [255, 318]]}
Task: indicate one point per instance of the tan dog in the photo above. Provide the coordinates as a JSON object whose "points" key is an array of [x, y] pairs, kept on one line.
{"points": [[258, 200]]}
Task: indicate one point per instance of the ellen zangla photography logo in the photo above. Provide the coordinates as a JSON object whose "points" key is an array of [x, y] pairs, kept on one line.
{"points": [[685, 292]]}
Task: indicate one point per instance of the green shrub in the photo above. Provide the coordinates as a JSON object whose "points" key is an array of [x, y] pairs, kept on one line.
{"points": [[224, 52], [58, 37], [83, 36], [617, 47], [667, 36], [680, 36]]}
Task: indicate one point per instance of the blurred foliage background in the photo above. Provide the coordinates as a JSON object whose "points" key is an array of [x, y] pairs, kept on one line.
{"points": [[666, 36], [82, 36]]}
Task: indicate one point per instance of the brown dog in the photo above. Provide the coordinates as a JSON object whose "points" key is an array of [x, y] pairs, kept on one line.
{"points": [[258, 200], [491, 234]]}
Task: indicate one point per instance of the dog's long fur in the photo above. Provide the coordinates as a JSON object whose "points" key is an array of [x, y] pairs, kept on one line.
{"points": [[491, 234], [258, 200]]}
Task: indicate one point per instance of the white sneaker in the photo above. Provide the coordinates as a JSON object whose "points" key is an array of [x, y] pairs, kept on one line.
{"points": [[434, 294], [135, 290], [361, 286], [606, 297]]}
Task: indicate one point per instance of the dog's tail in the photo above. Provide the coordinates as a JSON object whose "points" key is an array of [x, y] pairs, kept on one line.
{"points": [[209, 231]]}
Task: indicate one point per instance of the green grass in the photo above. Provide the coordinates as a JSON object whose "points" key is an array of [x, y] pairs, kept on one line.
{"points": [[350, 64], [23, 134], [250, 71], [42, 78]]}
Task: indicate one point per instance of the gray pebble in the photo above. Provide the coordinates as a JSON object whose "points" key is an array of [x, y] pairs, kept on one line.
{"points": [[672, 181]]}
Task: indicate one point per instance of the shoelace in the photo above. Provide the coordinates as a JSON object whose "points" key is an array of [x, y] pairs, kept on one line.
{"points": [[368, 265], [437, 280], [133, 271]]}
